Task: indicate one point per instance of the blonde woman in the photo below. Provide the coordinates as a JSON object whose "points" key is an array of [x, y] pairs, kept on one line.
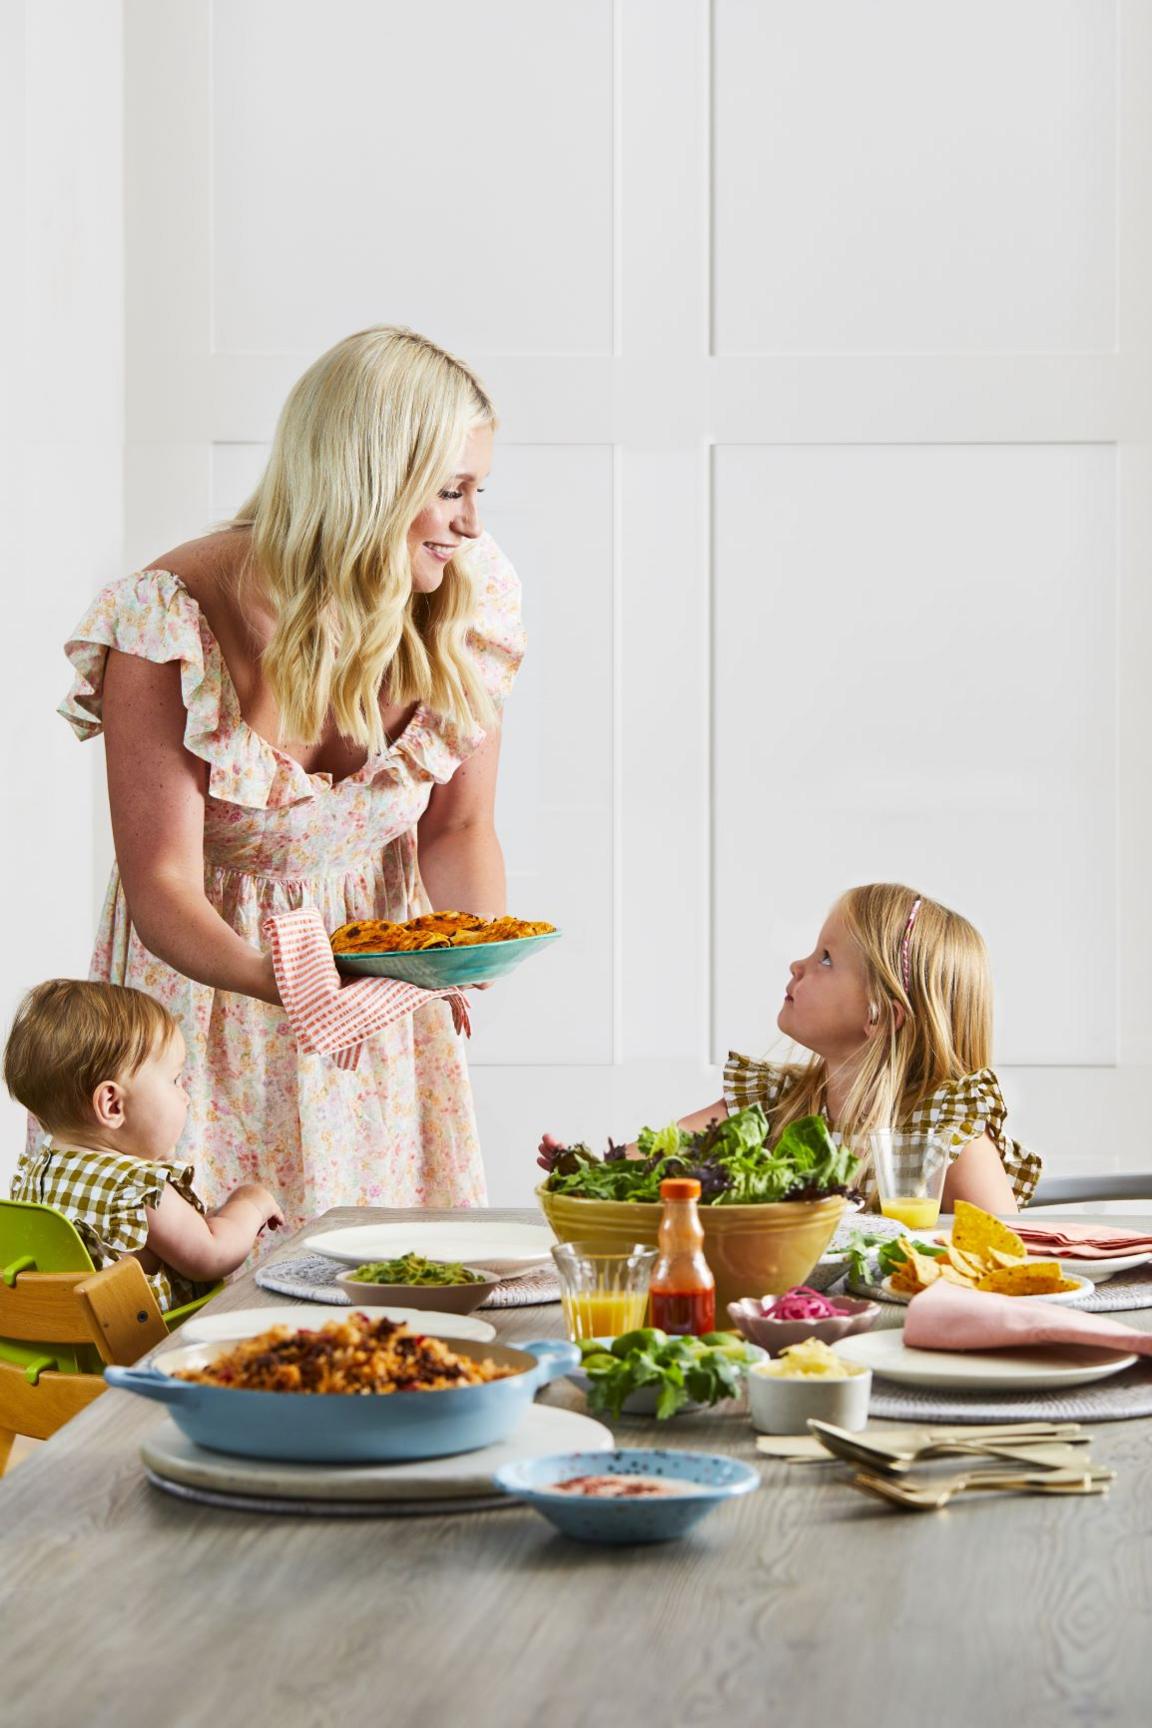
{"points": [[895, 1004], [303, 710]]}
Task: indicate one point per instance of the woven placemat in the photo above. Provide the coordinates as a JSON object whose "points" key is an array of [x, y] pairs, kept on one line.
{"points": [[312, 1278], [1117, 1400]]}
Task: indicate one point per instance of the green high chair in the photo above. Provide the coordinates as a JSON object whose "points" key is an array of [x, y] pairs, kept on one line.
{"points": [[35, 1238]]}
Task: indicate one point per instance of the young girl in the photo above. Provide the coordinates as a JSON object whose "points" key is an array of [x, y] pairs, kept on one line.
{"points": [[895, 1004], [99, 1066]]}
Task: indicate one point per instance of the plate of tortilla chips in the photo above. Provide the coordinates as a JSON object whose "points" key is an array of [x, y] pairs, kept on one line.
{"points": [[439, 950], [983, 1254]]}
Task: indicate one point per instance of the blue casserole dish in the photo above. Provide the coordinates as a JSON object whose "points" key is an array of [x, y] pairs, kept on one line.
{"points": [[347, 1428]]}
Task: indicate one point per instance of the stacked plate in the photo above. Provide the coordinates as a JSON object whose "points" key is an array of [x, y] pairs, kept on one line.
{"points": [[463, 1483]]}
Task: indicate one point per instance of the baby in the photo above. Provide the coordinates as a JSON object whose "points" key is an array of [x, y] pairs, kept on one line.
{"points": [[99, 1066]]}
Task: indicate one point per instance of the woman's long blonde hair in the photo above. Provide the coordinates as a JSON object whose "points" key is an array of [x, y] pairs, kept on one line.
{"points": [[939, 1028], [366, 438]]}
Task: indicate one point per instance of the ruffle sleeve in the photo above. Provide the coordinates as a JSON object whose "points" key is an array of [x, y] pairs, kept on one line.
{"points": [[749, 1081], [497, 642], [153, 616], [963, 1110], [121, 1218]]}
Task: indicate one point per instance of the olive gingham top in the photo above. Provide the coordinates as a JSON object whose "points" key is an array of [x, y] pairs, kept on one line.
{"points": [[104, 1195], [959, 1110]]}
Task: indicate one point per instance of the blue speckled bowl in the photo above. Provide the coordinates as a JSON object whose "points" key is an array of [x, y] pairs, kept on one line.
{"points": [[658, 1520], [442, 968]]}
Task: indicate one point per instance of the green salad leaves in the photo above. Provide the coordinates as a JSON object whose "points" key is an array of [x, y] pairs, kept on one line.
{"points": [[858, 1252], [678, 1370], [730, 1159]]}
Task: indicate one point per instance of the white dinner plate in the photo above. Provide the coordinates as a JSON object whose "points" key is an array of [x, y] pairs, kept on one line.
{"points": [[250, 1322], [1047, 1366], [1084, 1287], [1096, 1270], [502, 1247]]}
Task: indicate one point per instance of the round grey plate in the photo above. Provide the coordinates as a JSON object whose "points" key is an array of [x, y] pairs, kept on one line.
{"points": [[545, 1428], [328, 1508]]}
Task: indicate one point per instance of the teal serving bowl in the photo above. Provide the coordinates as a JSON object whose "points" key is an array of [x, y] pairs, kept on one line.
{"points": [[708, 1479], [444, 968], [348, 1428]]}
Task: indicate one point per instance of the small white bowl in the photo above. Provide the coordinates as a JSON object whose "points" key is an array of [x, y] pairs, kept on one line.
{"points": [[783, 1406]]}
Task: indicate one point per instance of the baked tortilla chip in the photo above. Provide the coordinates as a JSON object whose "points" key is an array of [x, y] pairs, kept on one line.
{"points": [[966, 1280], [975, 1231], [1034, 1278]]}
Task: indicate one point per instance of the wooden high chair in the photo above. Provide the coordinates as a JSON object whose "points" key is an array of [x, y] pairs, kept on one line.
{"points": [[89, 1318]]}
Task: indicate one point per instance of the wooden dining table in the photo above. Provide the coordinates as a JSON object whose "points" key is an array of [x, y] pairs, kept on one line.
{"points": [[804, 1605]]}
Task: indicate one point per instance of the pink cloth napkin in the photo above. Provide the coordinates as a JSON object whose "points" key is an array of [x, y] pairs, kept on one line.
{"points": [[328, 1016], [947, 1317], [1081, 1241]]}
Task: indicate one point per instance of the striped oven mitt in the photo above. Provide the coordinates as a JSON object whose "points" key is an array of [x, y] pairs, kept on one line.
{"points": [[329, 1016]]}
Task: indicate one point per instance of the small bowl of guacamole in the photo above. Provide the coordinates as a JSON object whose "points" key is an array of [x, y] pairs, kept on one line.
{"points": [[412, 1281]]}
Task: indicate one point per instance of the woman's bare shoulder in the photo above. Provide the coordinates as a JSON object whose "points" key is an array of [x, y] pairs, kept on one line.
{"points": [[208, 565]]}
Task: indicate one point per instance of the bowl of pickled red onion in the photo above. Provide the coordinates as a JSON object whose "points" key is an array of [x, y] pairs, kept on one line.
{"points": [[774, 1322]]}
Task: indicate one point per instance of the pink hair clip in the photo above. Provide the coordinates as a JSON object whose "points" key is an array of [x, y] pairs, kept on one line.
{"points": [[905, 960]]}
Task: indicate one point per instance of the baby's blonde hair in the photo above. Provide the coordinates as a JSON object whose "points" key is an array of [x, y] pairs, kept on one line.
{"points": [[70, 1035], [946, 1031], [366, 438]]}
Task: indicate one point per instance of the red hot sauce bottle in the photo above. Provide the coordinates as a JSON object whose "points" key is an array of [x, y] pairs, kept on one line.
{"points": [[683, 1290]]}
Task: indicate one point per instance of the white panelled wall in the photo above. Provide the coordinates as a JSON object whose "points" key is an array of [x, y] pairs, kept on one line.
{"points": [[822, 341], [61, 468]]}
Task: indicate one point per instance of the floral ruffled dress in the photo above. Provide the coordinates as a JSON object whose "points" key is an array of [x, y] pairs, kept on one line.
{"points": [[960, 1110], [399, 1130]]}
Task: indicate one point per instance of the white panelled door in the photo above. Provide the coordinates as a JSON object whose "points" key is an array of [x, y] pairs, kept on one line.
{"points": [[821, 338]]}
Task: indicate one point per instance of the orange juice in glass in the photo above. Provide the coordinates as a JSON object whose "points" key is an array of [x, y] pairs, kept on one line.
{"points": [[910, 1168], [603, 1294]]}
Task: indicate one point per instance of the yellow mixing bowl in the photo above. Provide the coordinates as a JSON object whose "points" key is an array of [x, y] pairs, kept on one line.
{"points": [[752, 1250]]}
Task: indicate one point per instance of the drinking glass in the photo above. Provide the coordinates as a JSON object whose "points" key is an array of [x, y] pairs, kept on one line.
{"points": [[603, 1294], [910, 1168]]}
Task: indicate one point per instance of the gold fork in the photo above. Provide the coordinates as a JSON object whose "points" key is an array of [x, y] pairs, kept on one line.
{"points": [[1041, 1453], [925, 1498]]}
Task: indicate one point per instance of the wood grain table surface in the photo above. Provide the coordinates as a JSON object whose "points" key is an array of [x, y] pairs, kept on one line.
{"points": [[803, 1604]]}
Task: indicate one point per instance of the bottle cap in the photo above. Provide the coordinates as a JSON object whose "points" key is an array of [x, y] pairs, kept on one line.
{"points": [[680, 1188]]}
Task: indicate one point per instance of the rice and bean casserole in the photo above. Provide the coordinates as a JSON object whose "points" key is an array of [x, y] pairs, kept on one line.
{"points": [[356, 1355]]}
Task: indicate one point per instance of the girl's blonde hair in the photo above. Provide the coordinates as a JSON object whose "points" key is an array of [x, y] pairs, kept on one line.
{"points": [[946, 1031], [366, 438]]}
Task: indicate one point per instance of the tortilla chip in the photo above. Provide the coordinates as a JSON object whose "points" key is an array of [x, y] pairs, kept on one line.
{"points": [[997, 1257], [977, 1232], [966, 1264], [1034, 1278], [925, 1266], [950, 1276]]}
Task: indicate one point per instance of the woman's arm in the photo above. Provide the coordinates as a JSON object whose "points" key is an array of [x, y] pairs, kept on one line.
{"points": [[461, 863], [156, 792], [978, 1175]]}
